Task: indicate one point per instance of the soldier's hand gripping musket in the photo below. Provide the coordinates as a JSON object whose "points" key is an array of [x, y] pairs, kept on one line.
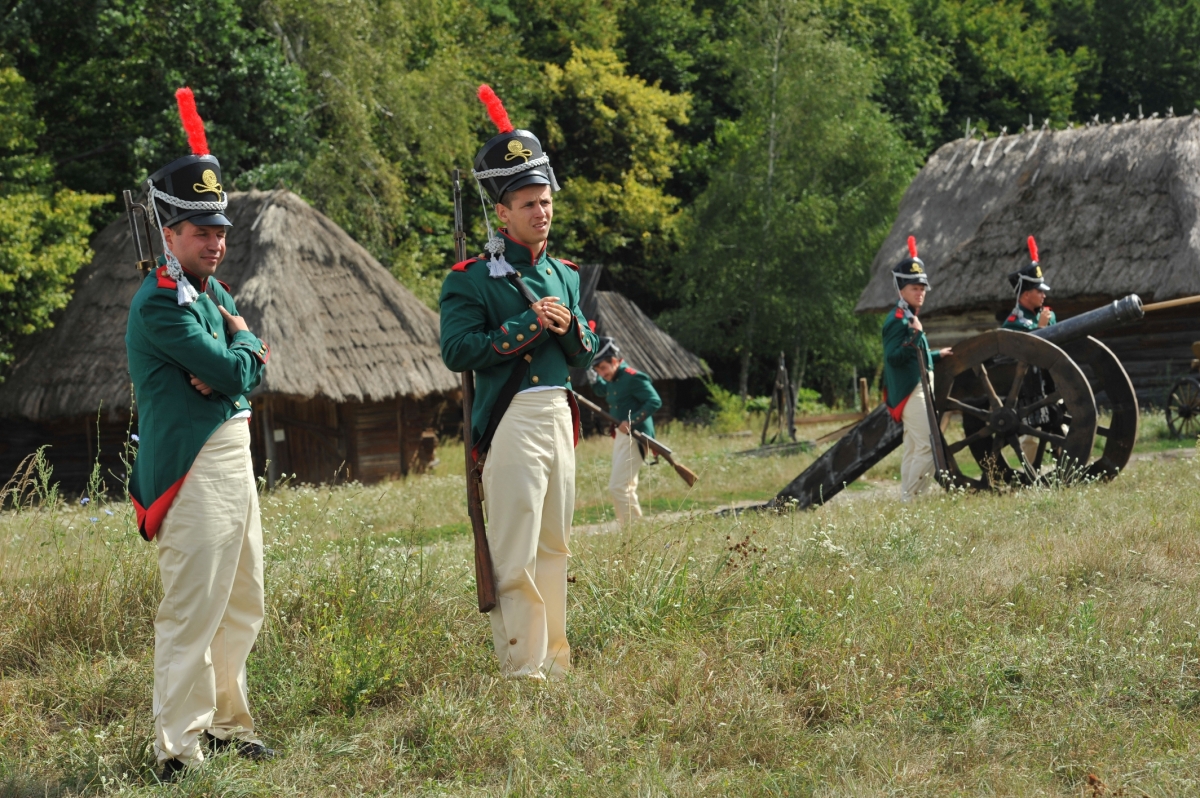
{"points": [[512, 317], [653, 444]]}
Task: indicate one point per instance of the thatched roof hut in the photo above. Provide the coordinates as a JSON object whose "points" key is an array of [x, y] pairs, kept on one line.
{"points": [[355, 375], [644, 344], [1114, 208]]}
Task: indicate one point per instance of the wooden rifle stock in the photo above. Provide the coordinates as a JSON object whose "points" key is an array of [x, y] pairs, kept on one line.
{"points": [[685, 473], [485, 577]]}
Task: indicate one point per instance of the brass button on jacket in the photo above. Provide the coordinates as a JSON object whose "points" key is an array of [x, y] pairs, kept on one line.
{"points": [[520, 336], [533, 328], [504, 345], [535, 379]]}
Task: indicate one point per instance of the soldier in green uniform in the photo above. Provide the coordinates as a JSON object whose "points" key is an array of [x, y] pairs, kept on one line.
{"points": [[903, 343], [1031, 313], [193, 359], [632, 399], [514, 319]]}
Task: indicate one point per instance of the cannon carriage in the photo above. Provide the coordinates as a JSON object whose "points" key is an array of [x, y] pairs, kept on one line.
{"points": [[1183, 402], [1048, 385]]}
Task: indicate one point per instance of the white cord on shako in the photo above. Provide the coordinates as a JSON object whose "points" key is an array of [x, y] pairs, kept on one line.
{"points": [[185, 293]]}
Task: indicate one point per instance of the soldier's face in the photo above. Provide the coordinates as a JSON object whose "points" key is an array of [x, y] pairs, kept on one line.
{"points": [[914, 295], [200, 250], [1033, 299], [528, 220], [606, 368]]}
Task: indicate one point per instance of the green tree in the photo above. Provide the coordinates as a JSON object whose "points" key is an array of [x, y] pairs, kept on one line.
{"points": [[43, 232], [611, 138], [780, 243], [104, 73]]}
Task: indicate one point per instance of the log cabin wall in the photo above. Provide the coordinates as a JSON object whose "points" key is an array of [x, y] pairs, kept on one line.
{"points": [[323, 442], [75, 446]]}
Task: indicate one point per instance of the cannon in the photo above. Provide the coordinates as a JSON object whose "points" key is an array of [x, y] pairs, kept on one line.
{"points": [[1001, 386]]}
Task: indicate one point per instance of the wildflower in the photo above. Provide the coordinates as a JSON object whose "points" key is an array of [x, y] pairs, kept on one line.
{"points": [[85, 501], [108, 512], [93, 519], [134, 437]]}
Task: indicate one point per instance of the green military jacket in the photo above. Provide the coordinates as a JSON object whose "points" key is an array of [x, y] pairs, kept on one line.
{"points": [[902, 345], [487, 326], [1024, 320], [166, 343], [631, 397]]}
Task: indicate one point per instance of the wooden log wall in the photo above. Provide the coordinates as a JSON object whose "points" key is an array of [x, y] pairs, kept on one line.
{"points": [[319, 441], [75, 446]]}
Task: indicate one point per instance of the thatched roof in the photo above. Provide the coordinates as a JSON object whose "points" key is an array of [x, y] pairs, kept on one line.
{"points": [[1114, 208], [642, 341], [339, 325]]}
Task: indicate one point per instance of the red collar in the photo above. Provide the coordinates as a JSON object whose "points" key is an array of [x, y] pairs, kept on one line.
{"points": [[195, 278], [526, 251]]}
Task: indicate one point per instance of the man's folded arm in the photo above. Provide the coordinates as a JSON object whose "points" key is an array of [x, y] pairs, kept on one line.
{"points": [[231, 370]]}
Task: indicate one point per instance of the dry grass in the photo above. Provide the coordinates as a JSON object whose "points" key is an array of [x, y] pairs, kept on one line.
{"points": [[1002, 644]]}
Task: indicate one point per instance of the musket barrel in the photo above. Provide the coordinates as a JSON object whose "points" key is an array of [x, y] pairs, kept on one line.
{"points": [[1114, 314]]}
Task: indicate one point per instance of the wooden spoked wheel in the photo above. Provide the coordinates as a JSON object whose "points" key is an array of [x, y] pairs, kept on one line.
{"points": [[1112, 388], [1183, 408], [1001, 382]]}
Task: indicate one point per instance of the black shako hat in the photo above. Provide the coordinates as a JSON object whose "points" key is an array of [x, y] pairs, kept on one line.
{"points": [[606, 348], [511, 159], [911, 270], [1030, 277], [190, 188]]}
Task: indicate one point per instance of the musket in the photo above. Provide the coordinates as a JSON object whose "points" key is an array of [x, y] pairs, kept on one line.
{"points": [[145, 256], [485, 576], [659, 449]]}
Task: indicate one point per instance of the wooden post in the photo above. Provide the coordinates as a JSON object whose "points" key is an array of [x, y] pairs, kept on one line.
{"points": [[864, 396]]}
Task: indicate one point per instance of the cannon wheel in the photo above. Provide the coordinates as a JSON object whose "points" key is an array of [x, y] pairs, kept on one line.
{"points": [[1183, 408], [1107, 376], [982, 381]]}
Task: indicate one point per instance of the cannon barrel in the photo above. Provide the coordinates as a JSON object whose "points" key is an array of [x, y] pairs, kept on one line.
{"points": [[1114, 314]]}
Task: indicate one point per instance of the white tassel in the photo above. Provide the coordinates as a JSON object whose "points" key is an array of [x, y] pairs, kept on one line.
{"points": [[185, 293], [498, 265]]}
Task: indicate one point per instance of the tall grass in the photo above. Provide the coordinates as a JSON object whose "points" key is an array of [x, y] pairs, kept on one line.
{"points": [[1003, 644]]}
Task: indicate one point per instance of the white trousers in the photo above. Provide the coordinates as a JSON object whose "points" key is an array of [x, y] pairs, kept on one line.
{"points": [[211, 563], [529, 490], [916, 469], [623, 481]]}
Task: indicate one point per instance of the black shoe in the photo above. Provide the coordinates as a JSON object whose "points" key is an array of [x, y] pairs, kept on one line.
{"points": [[255, 752], [172, 768]]}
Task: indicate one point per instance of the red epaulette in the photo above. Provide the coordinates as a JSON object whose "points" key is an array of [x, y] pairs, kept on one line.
{"points": [[629, 370], [164, 281], [224, 285], [1012, 318], [899, 313], [572, 265], [462, 265]]}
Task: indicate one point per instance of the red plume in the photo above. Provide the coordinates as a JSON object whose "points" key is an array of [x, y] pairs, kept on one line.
{"points": [[193, 125], [495, 109], [1033, 250], [912, 247], [592, 325]]}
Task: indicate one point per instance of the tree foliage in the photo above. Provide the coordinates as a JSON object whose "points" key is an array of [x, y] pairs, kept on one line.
{"points": [[43, 232], [779, 243]]}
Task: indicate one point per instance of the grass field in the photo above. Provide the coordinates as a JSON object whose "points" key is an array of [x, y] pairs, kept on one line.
{"points": [[1012, 644]]}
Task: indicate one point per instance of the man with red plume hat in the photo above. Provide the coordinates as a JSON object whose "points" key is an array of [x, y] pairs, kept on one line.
{"points": [[513, 317], [904, 342], [1031, 313], [193, 359]]}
